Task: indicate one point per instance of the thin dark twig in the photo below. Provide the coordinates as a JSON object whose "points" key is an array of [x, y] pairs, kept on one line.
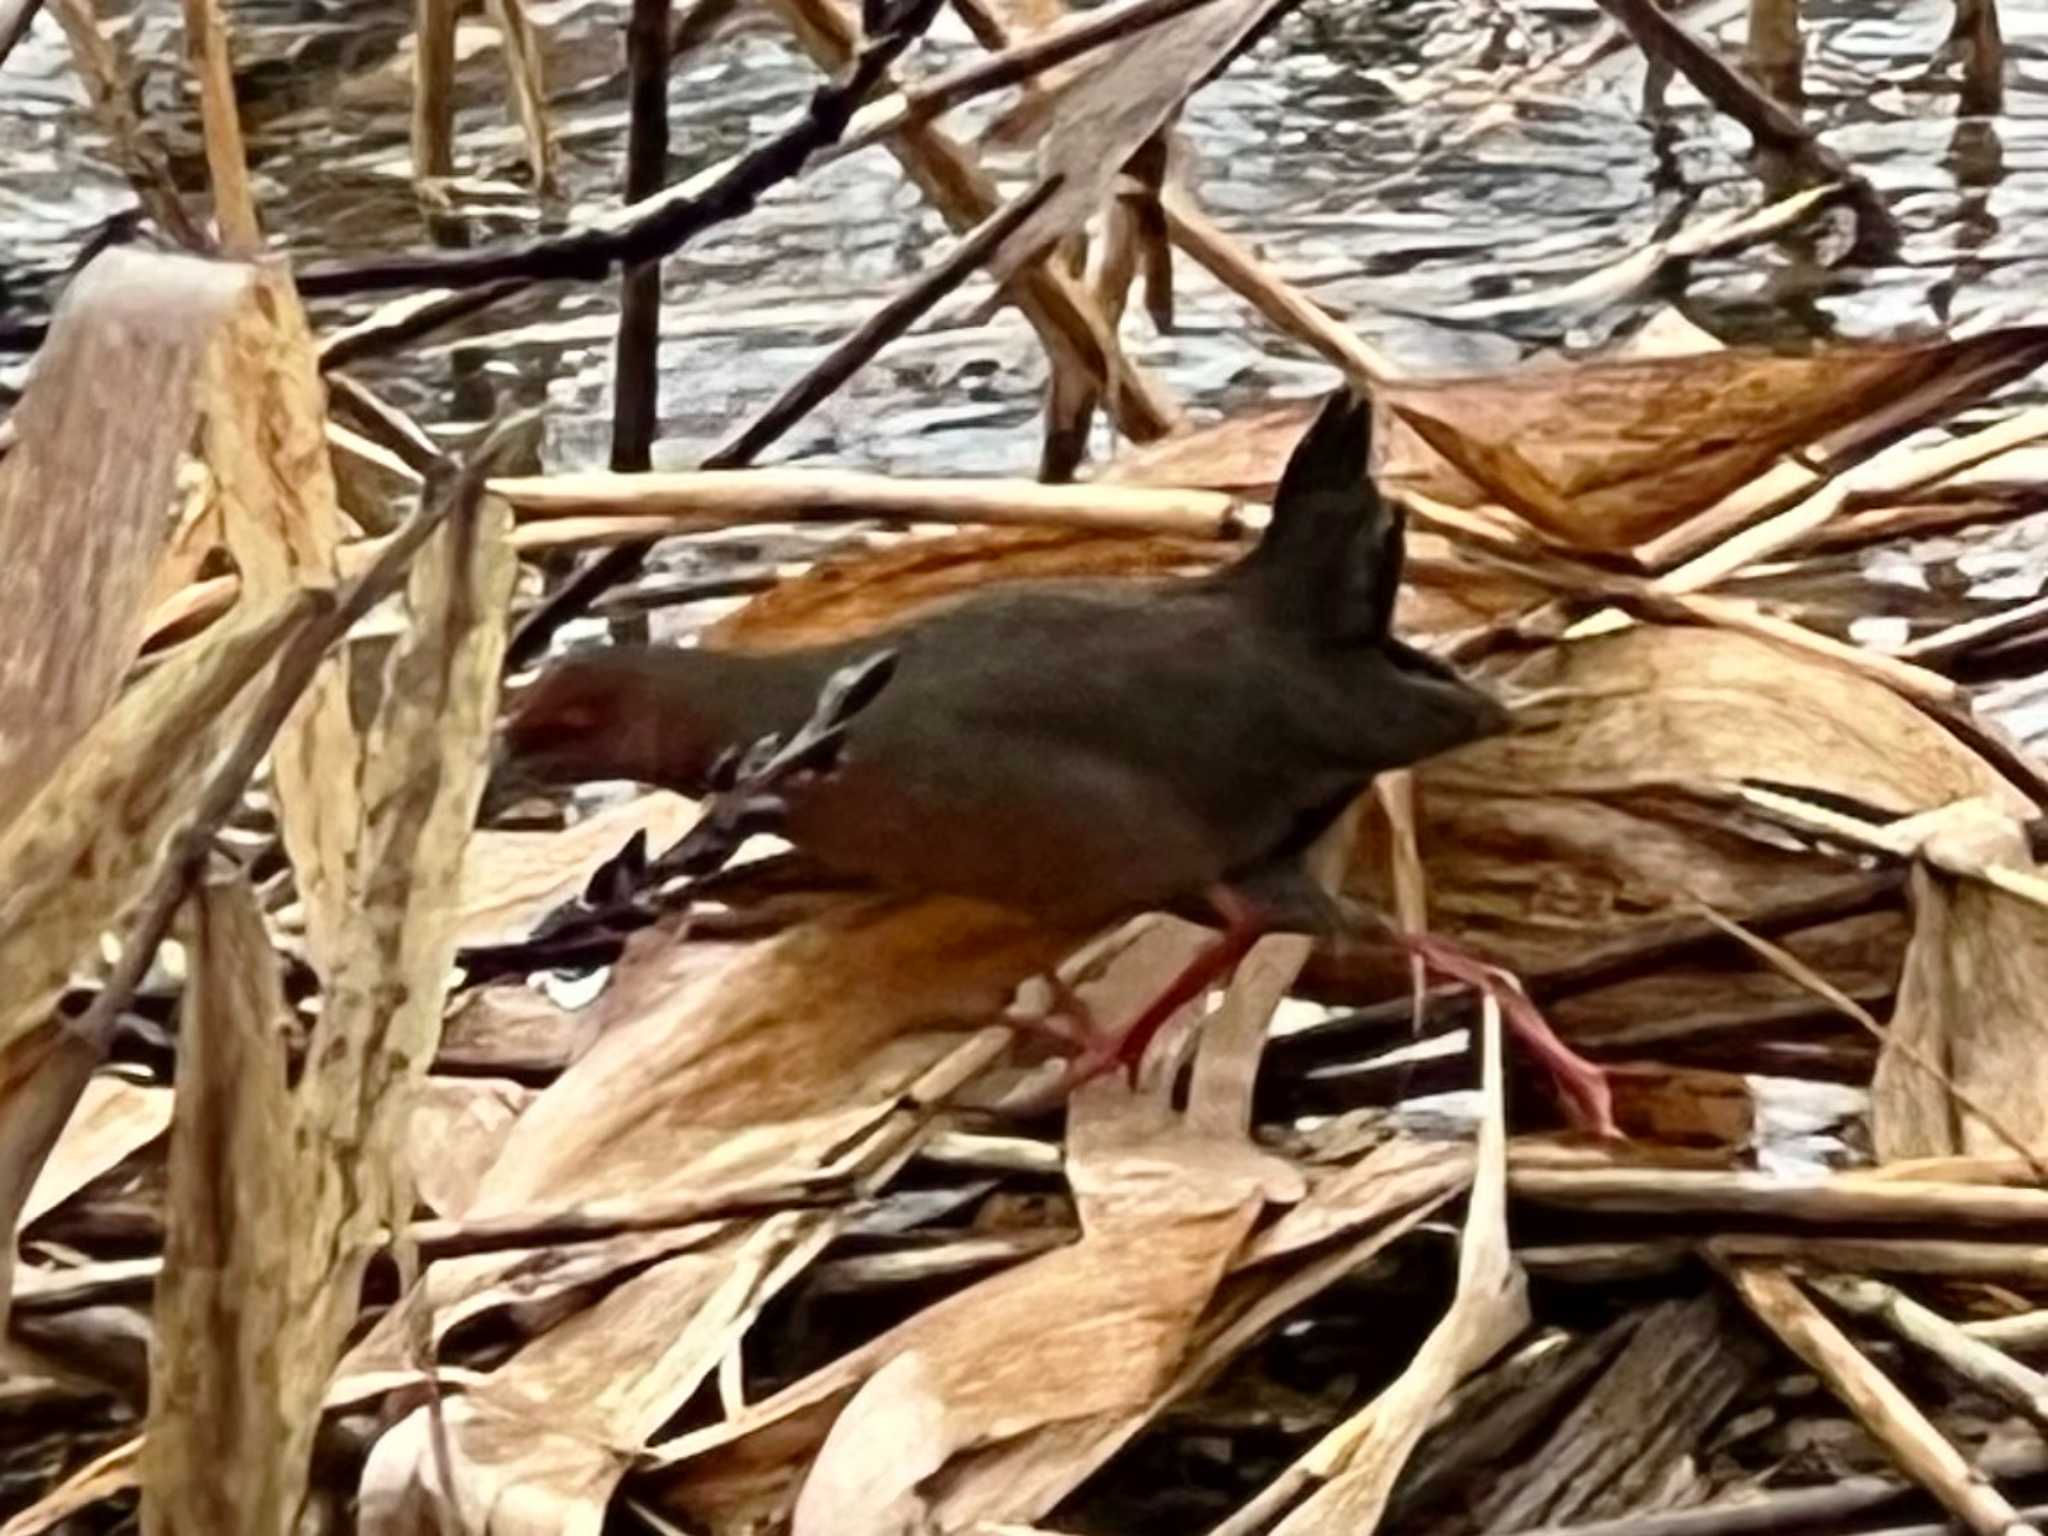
{"points": [[636, 368], [668, 220], [452, 493]]}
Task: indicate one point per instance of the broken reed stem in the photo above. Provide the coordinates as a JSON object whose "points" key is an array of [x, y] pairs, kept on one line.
{"points": [[636, 374], [529, 90], [336, 614], [1008, 64], [1790, 965], [1876, 1401], [1977, 1362], [1774, 52], [1233, 263], [1663, 39], [2022, 1331], [701, 499], [880, 328], [1977, 38], [227, 163], [109, 77], [1823, 1203], [433, 91]]}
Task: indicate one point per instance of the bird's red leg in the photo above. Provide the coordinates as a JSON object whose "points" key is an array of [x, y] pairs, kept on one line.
{"points": [[1581, 1086], [1242, 928]]}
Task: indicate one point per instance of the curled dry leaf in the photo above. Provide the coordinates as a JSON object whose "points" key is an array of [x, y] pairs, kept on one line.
{"points": [[114, 1118], [1607, 454]]}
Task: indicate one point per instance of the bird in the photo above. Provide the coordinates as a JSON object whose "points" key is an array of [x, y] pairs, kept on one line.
{"points": [[1084, 750]]}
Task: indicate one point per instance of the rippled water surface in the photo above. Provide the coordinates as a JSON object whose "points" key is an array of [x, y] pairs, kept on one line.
{"points": [[1342, 146], [1349, 148]]}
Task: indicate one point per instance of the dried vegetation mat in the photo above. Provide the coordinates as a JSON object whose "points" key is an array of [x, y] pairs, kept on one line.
{"points": [[353, 1187]]}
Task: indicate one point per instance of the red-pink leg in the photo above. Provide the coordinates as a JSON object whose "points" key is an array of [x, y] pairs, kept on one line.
{"points": [[1581, 1086], [1242, 929]]}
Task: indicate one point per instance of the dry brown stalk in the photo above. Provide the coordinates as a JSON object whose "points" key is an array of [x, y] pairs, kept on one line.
{"points": [[528, 77], [1890, 1416], [1977, 38], [1973, 1358], [591, 507], [1663, 38], [109, 74], [1060, 309], [637, 355], [433, 87], [1232, 263], [227, 163], [1822, 1202], [1775, 53]]}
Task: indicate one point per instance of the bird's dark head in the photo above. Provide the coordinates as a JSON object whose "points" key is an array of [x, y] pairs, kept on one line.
{"points": [[586, 719]]}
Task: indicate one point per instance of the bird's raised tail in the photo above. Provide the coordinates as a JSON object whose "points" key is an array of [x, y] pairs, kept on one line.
{"points": [[1330, 561]]}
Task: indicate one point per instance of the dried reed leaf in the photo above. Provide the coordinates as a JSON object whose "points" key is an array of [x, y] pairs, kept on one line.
{"points": [[421, 777], [458, 1127], [239, 1366], [855, 594], [114, 1118], [82, 855], [263, 419], [722, 1063], [1093, 1329], [88, 491], [1609, 454], [1969, 1002], [538, 1447]]}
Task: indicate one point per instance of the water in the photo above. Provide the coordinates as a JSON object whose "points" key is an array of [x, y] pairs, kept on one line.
{"points": [[1341, 147]]}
